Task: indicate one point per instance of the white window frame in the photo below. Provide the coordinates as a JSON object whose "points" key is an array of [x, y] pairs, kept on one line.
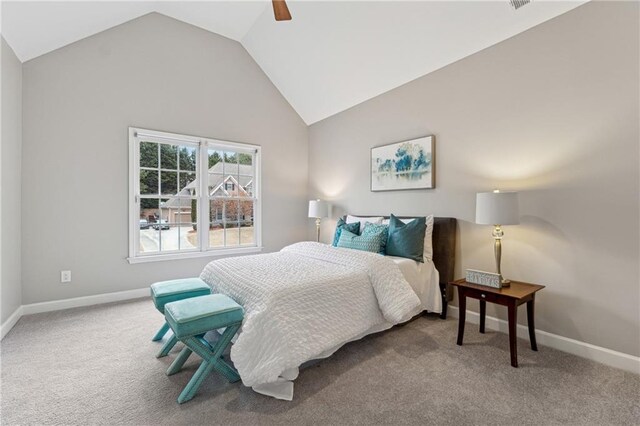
{"points": [[202, 144]]}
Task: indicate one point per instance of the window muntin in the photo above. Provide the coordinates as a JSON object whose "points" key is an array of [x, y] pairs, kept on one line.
{"points": [[183, 185]]}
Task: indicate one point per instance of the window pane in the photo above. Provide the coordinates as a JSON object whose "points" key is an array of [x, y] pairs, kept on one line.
{"points": [[168, 156], [230, 157], [231, 208], [216, 231], [188, 236], [187, 158], [187, 184], [248, 187], [148, 240], [215, 185], [245, 159], [232, 235], [148, 181], [148, 154], [232, 222], [224, 230], [149, 214], [173, 225], [169, 182], [159, 223], [216, 211], [215, 161], [165, 211], [246, 211], [193, 209], [245, 190], [223, 236], [169, 235], [230, 186], [245, 175], [247, 235], [177, 213], [149, 207]]}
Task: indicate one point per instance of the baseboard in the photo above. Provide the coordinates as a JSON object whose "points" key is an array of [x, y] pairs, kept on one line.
{"points": [[98, 299], [10, 322], [575, 347], [76, 302]]}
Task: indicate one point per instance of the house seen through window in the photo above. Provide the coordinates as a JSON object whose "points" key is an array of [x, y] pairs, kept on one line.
{"points": [[192, 195]]}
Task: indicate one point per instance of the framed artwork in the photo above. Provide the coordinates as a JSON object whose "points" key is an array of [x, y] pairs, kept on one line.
{"points": [[403, 165]]}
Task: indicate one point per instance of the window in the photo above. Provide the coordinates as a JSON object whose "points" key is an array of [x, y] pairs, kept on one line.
{"points": [[192, 196]]}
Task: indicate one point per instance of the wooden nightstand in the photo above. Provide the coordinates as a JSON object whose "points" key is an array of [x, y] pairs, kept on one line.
{"points": [[511, 297]]}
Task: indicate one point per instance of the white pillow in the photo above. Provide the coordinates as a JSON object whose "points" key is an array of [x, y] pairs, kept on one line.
{"points": [[363, 220], [428, 240]]}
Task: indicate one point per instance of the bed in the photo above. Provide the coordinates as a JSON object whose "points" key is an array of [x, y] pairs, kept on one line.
{"points": [[444, 247], [309, 299]]}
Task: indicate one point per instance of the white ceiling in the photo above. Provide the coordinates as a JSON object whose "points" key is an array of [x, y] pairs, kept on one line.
{"points": [[33, 28], [331, 56]]}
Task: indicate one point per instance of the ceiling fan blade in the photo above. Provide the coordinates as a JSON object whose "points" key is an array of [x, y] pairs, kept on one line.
{"points": [[280, 10]]}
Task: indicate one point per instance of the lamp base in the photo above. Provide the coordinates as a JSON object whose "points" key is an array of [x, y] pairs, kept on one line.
{"points": [[318, 229], [506, 283]]}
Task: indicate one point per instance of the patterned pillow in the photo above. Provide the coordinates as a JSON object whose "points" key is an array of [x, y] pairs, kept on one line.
{"points": [[370, 243], [351, 227], [373, 229]]}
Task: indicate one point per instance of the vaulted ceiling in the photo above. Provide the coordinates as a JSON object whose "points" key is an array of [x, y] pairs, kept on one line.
{"points": [[333, 55]]}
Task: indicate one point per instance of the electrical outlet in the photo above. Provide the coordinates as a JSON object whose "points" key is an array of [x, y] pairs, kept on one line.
{"points": [[65, 276]]}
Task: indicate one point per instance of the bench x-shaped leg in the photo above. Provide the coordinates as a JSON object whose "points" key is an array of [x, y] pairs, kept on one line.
{"points": [[168, 345], [160, 334], [211, 360]]}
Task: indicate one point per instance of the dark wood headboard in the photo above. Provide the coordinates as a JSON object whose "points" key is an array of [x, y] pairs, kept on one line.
{"points": [[444, 252]]}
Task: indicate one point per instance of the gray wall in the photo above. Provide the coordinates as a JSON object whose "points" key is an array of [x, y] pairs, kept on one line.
{"points": [[11, 152], [156, 73], [552, 113]]}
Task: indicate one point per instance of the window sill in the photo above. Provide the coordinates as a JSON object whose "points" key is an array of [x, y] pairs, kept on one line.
{"points": [[193, 255]]}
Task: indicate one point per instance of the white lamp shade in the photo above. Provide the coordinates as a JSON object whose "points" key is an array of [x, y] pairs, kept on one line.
{"points": [[318, 209], [497, 208]]}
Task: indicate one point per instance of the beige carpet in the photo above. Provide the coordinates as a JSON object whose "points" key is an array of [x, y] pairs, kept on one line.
{"points": [[96, 366]]}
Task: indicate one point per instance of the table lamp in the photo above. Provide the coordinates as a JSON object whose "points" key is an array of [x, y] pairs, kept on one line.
{"points": [[318, 209], [497, 208]]}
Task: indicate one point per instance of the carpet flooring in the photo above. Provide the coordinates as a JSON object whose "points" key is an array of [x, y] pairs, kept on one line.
{"points": [[96, 365]]}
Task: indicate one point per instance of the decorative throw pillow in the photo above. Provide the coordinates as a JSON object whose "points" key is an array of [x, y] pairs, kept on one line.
{"points": [[428, 236], [364, 220], [370, 242], [407, 239], [351, 227], [373, 229]]}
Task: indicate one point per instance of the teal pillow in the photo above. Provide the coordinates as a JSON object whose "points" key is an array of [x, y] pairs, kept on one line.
{"points": [[375, 228], [370, 243], [351, 227], [407, 239]]}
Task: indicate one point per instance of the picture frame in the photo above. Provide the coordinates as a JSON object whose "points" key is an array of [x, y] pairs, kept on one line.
{"points": [[404, 165]]}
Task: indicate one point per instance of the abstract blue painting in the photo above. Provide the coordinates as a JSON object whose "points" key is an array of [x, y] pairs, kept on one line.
{"points": [[403, 165]]}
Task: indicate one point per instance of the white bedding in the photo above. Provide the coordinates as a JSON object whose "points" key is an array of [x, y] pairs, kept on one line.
{"points": [[424, 279], [304, 302]]}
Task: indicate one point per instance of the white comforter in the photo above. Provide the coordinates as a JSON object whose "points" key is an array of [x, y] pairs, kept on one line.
{"points": [[305, 300]]}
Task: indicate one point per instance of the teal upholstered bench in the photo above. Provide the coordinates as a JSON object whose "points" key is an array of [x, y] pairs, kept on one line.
{"points": [[190, 319], [164, 292]]}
